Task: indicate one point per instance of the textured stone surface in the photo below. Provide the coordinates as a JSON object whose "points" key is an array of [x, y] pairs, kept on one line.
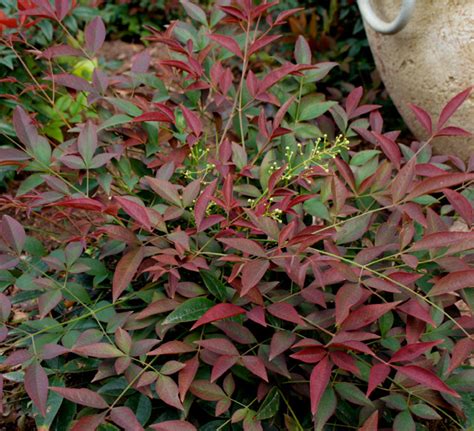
{"points": [[428, 62]]}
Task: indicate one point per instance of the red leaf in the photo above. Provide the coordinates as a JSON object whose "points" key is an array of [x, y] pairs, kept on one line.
{"points": [[36, 386], [461, 205], [244, 245], [403, 180], [442, 239], [186, 376], [172, 348], [345, 362], [452, 106], [84, 397], [72, 81], [353, 100], [281, 341], [366, 314], [222, 364], [218, 312], [412, 351], [378, 374], [88, 423], [81, 203], [346, 297], [98, 350], [461, 351], [13, 233], [227, 42], [438, 183], [221, 346], [203, 201], [390, 148], [427, 378], [310, 355], [167, 390], [261, 42], [173, 426], [12, 155], [192, 120], [62, 8], [125, 270], [165, 189], [282, 16], [371, 424], [257, 315], [452, 131], [256, 366], [152, 116], [252, 273], [423, 118], [136, 211], [453, 282], [285, 311], [95, 34], [318, 382], [125, 418]]}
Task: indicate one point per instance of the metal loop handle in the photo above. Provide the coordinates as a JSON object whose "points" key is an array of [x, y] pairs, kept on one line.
{"points": [[382, 26]]}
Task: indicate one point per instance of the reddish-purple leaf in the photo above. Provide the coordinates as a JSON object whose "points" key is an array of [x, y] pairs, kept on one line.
{"points": [[51, 351], [453, 131], [88, 423], [461, 205], [371, 424], [390, 148], [186, 376], [367, 314], [125, 418], [281, 341], [172, 348], [192, 120], [252, 273], [81, 203], [167, 390], [442, 239], [207, 391], [261, 42], [426, 378], [461, 351], [423, 118], [222, 364], [345, 362], [452, 106], [84, 397], [438, 183], [13, 233], [72, 81], [257, 315], [95, 34], [218, 312], [378, 374], [221, 346], [310, 355], [12, 155], [125, 271], [256, 366], [173, 426], [202, 202], [245, 245], [134, 210], [36, 386], [228, 43], [346, 297], [151, 116], [403, 180], [98, 350], [412, 351], [285, 311], [62, 8], [453, 282], [19, 356], [318, 382], [165, 189], [353, 100]]}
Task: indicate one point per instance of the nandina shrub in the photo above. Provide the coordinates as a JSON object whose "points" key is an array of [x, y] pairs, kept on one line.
{"points": [[223, 255]]}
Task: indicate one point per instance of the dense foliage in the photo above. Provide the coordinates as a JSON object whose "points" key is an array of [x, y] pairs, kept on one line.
{"points": [[221, 247]]}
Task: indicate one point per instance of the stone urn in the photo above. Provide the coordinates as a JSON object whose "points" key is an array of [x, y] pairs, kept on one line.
{"points": [[424, 52]]}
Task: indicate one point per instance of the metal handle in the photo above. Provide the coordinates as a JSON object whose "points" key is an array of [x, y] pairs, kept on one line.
{"points": [[380, 25]]}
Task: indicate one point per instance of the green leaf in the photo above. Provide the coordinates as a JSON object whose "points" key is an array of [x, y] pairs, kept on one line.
{"points": [[424, 411], [353, 394], [326, 408], [114, 120], [404, 422], [312, 110], [214, 285], [125, 106], [316, 208], [362, 157], [189, 311], [269, 406]]}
